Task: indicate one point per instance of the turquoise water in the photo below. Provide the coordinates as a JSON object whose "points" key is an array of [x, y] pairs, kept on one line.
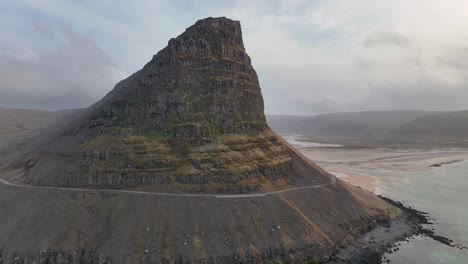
{"points": [[441, 192]]}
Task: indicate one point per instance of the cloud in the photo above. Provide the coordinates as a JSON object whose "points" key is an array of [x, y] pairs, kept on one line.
{"points": [[311, 56], [386, 39], [74, 74], [362, 56]]}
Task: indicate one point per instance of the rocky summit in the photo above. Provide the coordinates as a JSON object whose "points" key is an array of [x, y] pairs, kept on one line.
{"points": [[191, 120], [177, 165], [201, 86]]}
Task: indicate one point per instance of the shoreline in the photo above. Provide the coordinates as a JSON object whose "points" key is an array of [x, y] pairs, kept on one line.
{"points": [[372, 183], [361, 167], [355, 166], [373, 245], [363, 181], [404, 160]]}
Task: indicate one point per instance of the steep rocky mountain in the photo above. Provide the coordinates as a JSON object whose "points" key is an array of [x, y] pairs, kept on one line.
{"points": [[177, 165], [192, 115]]}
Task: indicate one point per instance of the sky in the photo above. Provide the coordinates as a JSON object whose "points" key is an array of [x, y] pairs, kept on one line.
{"points": [[312, 57]]}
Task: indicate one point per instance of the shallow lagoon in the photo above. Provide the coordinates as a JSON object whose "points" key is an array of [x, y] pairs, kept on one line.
{"points": [[441, 192]]}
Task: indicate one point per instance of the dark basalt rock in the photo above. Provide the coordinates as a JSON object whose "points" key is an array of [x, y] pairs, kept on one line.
{"points": [[190, 121], [192, 116], [202, 84]]}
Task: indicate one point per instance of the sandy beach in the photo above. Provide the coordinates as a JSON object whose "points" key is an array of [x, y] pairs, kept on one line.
{"points": [[367, 182], [345, 163]]}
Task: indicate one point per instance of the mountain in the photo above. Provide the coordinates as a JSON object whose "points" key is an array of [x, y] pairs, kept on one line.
{"points": [[286, 123], [192, 119], [16, 124], [399, 123], [448, 124], [177, 165], [345, 124]]}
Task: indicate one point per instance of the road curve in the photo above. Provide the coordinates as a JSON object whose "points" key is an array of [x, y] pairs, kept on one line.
{"points": [[222, 196]]}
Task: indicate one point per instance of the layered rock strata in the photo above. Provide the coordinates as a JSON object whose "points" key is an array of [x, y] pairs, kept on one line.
{"points": [[220, 186], [191, 120]]}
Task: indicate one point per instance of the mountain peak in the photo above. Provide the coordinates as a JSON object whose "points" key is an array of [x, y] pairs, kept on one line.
{"points": [[191, 119], [188, 127], [218, 28], [201, 85], [219, 23], [219, 38]]}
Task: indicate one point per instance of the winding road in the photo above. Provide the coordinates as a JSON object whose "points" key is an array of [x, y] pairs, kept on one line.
{"points": [[223, 196], [220, 196]]}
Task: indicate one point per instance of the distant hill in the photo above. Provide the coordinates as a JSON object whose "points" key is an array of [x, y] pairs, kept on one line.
{"points": [[453, 124], [349, 124], [285, 123], [16, 124]]}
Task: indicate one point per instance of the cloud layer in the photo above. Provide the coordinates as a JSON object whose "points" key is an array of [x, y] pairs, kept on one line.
{"points": [[73, 74], [311, 56]]}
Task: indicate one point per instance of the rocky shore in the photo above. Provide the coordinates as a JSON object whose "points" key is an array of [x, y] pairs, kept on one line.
{"points": [[371, 247]]}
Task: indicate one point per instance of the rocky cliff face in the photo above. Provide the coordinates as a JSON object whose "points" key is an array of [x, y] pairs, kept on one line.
{"points": [[191, 120], [198, 87]]}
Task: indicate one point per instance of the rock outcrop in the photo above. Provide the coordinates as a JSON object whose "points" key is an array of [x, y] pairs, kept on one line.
{"points": [[191, 120], [200, 86], [189, 129]]}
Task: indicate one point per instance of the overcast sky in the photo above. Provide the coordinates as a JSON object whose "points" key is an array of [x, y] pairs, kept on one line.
{"points": [[311, 56]]}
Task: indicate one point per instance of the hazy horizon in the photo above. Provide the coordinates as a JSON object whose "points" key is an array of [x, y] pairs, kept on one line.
{"points": [[267, 114]]}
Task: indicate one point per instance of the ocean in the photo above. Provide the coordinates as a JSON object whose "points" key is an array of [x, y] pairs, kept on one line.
{"points": [[443, 193]]}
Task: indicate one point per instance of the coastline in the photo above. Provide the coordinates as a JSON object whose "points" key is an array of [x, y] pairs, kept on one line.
{"points": [[366, 182], [356, 166], [364, 168], [371, 247]]}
